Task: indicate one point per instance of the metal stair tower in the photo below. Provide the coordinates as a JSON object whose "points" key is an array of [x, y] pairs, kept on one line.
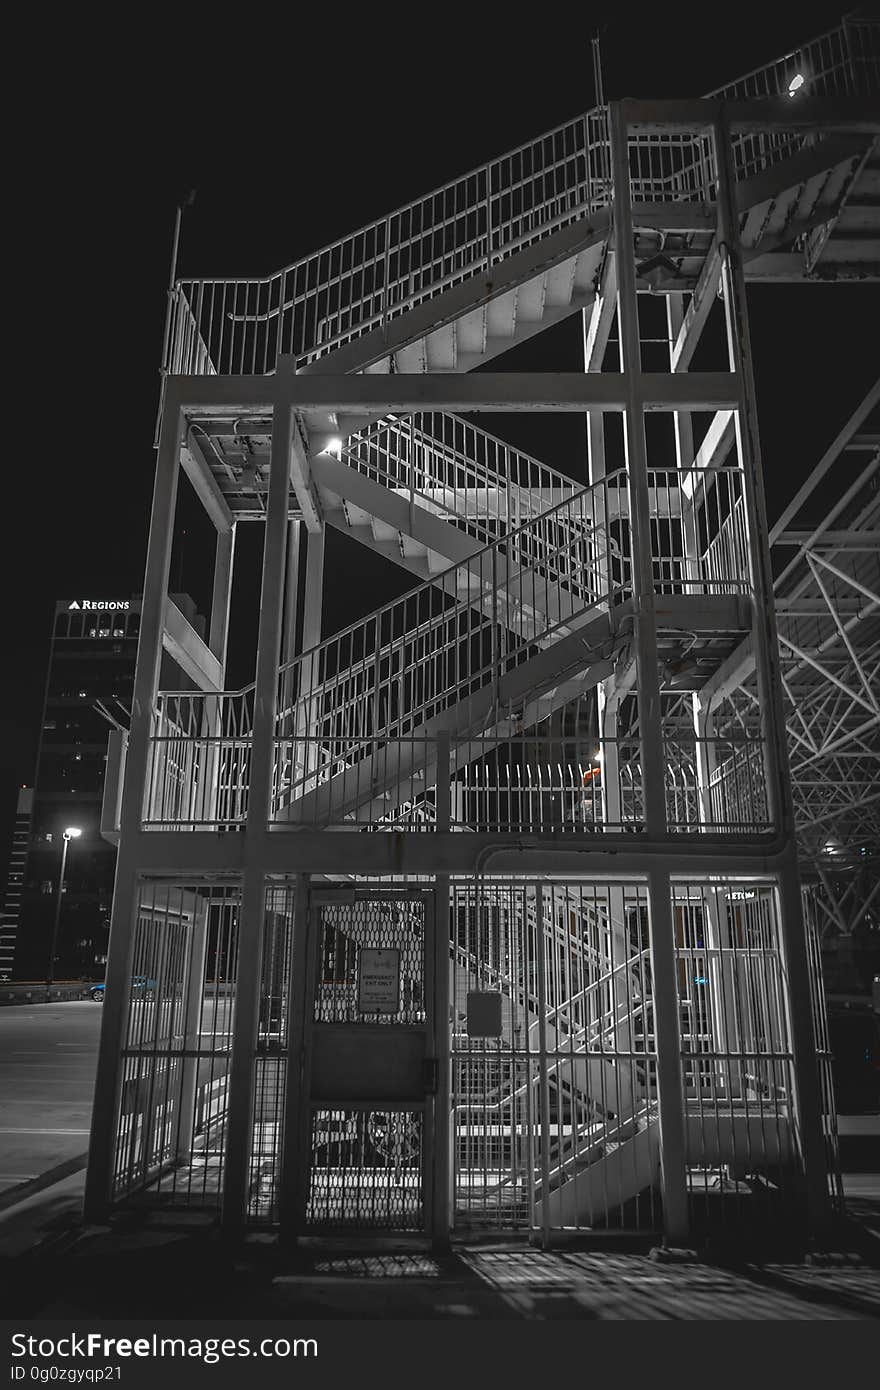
{"points": [[486, 910]]}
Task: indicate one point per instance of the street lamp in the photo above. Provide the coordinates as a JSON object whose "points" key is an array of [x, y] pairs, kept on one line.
{"points": [[71, 833]]}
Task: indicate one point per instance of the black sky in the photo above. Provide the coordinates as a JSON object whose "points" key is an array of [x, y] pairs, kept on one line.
{"points": [[293, 133]]}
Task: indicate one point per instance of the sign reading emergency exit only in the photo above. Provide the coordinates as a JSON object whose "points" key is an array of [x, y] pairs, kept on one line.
{"points": [[378, 981]]}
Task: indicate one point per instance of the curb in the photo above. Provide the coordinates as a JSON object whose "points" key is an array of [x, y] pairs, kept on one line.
{"points": [[37, 995], [14, 1195]]}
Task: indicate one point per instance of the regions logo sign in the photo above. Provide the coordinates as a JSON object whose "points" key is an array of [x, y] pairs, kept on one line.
{"points": [[102, 605]]}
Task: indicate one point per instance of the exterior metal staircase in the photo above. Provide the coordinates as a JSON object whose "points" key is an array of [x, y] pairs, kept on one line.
{"points": [[525, 595], [452, 280], [378, 695]]}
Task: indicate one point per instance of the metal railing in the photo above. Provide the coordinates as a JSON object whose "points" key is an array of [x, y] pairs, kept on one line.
{"points": [[541, 784], [372, 690], [445, 643], [485, 487], [363, 280], [198, 769], [451, 467], [736, 1054]]}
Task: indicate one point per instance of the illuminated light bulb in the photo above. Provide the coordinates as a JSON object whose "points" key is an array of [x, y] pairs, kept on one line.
{"points": [[796, 83]]}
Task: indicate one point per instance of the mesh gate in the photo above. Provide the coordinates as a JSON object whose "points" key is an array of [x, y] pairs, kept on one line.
{"points": [[171, 1120], [369, 1035], [554, 1119]]}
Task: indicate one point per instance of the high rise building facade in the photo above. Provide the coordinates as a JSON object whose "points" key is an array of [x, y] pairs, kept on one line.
{"points": [[21, 835], [93, 646]]}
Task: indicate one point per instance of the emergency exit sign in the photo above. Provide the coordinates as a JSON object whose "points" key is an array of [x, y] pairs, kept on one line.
{"points": [[379, 981]]}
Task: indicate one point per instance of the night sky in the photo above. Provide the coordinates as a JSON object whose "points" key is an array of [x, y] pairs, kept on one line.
{"points": [[291, 137]]}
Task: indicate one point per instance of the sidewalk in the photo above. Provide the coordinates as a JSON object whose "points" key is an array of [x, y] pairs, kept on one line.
{"points": [[176, 1266]]}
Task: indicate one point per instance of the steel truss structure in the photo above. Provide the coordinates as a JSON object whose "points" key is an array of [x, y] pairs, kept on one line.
{"points": [[485, 911], [826, 549]]}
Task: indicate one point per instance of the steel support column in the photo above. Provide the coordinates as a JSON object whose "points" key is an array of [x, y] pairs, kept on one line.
{"points": [[218, 638], [441, 1203], [291, 591], [670, 1093], [295, 1147], [314, 590], [793, 936], [108, 1074], [195, 992], [684, 446], [247, 991], [666, 1010]]}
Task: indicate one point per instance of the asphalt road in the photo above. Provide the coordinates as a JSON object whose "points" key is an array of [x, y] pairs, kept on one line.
{"points": [[47, 1072]]}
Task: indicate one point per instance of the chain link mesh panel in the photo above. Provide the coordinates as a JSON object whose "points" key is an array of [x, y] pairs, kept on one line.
{"points": [[366, 1169]]}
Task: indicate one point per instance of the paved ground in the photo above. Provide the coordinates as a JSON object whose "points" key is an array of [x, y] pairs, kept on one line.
{"points": [[174, 1267], [47, 1071]]}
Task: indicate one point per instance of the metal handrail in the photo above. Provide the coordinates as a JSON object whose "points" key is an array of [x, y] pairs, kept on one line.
{"points": [[482, 216]]}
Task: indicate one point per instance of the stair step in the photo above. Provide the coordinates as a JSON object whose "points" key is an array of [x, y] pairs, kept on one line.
{"points": [[559, 285], [413, 549], [472, 332], [530, 301], [441, 349], [501, 316]]}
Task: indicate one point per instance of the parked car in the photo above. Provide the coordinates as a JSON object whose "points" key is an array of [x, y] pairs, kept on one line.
{"points": [[141, 986]]}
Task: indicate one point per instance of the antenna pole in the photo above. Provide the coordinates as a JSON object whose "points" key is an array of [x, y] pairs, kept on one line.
{"points": [[597, 70]]}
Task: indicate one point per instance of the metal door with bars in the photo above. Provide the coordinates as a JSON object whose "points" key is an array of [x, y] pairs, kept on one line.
{"points": [[553, 1116], [369, 1065]]}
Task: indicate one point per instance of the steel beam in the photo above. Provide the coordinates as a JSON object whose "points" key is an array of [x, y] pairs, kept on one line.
{"points": [[207, 489], [224, 564], [193, 656], [830, 456], [303, 483], [825, 114], [484, 391]]}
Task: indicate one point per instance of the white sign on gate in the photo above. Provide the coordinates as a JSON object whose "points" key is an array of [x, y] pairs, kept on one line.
{"points": [[378, 981]]}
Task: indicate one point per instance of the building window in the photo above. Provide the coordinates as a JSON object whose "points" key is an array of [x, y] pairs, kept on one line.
{"points": [[46, 886]]}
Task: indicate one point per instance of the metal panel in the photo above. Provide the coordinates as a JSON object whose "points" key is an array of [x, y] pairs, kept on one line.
{"points": [[173, 1105], [368, 1159], [356, 1061], [270, 1058], [548, 1115]]}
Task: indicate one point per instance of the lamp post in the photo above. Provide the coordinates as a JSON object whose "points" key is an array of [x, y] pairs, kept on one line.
{"points": [[71, 833]]}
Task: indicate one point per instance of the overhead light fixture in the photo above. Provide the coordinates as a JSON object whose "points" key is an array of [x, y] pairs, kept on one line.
{"points": [[72, 832], [334, 447], [796, 83]]}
